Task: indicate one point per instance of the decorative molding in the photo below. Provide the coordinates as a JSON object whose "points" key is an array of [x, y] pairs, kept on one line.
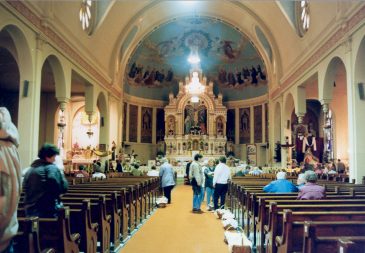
{"points": [[144, 101], [247, 102], [25, 11], [321, 51]]}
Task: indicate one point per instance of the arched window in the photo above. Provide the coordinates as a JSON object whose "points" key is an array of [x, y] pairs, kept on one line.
{"points": [[87, 15], [302, 16]]}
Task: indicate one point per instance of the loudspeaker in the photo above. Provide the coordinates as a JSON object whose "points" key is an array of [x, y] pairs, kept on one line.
{"points": [[25, 88], [101, 121], [361, 91]]}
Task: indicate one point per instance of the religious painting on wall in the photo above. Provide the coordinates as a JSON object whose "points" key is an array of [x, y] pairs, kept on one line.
{"points": [[133, 119], [230, 129], [125, 121], [195, 118], [257, 112], [251, 154], [244, 125], [266, 123], [146, 128], [160, 125]]}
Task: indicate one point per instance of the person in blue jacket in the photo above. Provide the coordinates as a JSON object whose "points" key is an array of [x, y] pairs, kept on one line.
{"points": [[281, 185]]}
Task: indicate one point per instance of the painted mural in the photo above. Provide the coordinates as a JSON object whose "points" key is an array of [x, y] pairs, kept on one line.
{"points": [[146, 128], [257, 112], [228, 58], [124, 121], [230, 124], [244, 125], [133, 116], [266, 123], [160, 124]]}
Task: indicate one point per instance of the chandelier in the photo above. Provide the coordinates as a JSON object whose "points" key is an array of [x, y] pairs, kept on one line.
{"points": [[195, 88]]}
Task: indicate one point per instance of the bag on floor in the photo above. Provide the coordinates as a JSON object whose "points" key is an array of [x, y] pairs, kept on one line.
{"points": [[230, 224], [220, 212], [227, 215], [161, 202], [237, 242]]}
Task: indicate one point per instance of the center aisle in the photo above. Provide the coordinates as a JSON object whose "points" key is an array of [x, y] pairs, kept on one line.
{"points": [[176, 229]]}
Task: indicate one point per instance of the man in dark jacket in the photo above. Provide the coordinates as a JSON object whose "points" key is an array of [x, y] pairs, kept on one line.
{"points": [[43, 184]]}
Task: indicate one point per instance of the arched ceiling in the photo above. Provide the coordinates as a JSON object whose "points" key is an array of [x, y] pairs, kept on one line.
{"points": [[228, 58], [109, 49]]}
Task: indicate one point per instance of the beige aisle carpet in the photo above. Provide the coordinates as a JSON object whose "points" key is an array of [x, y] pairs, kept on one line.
{"points": [[175, 229]]}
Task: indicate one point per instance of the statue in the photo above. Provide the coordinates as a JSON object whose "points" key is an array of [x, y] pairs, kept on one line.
{"points": [[202, 120], [219, 126], [187, 124], [171, 126]]}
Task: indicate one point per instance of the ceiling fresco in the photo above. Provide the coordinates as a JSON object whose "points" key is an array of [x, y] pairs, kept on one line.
{"points": [[228, 58]]}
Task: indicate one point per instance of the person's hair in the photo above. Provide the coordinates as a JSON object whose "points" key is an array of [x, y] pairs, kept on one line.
{"points": [[310, 176], [98, 163], [222, 159], [301, 179], [136, 166], [81, 167], [216, 161], [281, 175], [48, 150], [197, 156], [338, 160], [153, 167]]}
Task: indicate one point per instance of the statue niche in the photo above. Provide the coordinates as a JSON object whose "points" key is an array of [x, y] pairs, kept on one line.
{"points": [[195, 121]]}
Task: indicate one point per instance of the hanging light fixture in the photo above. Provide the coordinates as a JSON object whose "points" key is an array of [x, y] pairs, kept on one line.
{"points": [[194, 55], [195, 88]]}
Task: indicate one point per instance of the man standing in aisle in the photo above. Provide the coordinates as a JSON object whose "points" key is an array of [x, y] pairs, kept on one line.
{"points": [[196, 176], [222, 175]]}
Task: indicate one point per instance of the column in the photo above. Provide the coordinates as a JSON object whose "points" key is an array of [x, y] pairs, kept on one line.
{"points": [[263, 123], [252, 125], [237, 126], [127, 125], [29, 108], [139, 123], [154, 127]]}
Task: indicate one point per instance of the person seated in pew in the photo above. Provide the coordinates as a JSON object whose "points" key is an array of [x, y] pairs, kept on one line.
{"points": [[43, 184], [81, 172], [301, 180], [311, 190], [119, 167], [10, 180], [98, 172], [255, 171], [281, 185], [153, 172], [135, 171]]}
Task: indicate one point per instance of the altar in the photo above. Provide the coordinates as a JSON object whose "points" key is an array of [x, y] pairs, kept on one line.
{"points": [[195, 120]]}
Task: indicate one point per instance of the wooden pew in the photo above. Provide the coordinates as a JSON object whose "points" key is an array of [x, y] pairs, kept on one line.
{"points": [[56, 233], [27, 238], [282, 221], [353, 244], [323, 236]]}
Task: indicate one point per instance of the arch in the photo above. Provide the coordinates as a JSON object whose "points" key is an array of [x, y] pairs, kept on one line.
{"points": [[23, 52], [9, 82], [58, 75], [357, 133], [330, 77], [207, 101], [277, 122], [118, 64], [102, 104]]}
